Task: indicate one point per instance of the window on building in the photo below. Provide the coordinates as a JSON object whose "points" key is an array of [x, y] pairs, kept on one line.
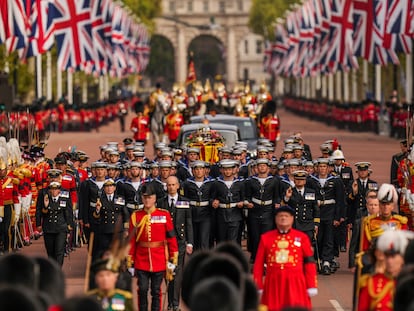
{"points": [[172, 6], [246, 74], [246, 47], [222, 7], [205, 6], [190, 6], [240, 5], [259, 48]]}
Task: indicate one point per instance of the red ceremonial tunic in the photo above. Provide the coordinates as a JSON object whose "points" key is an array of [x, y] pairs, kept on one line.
{"points": [[376, 293], [140, 127], [270, 128], [173, 124], [290, 269], [155, 232]]}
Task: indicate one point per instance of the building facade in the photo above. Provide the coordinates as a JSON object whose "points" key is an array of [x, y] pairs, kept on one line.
{"points": [[226, 21]]}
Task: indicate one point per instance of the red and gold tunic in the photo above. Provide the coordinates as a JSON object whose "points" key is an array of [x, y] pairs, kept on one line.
{"points": [[270, 128], [376, 293], [173, 124], [140, 127], [290, 271], [373, 226], [154, 242]]}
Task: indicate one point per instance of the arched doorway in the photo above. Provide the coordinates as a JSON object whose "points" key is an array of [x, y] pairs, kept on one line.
{"points": [[161, 67], [209, 57]]}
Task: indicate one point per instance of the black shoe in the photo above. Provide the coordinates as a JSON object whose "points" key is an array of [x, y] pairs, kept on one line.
{"points": [[176, 309], [170, 308], [334, 264], [326, 270], [343, 249]]}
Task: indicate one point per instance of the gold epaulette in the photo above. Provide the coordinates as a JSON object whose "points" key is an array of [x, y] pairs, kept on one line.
{"points": [[92, 291], [363, 280], [401, 219], [124, 293]]}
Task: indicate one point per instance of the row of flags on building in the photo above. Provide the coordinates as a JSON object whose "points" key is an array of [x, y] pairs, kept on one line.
{"points": [[95, 36], [325, 36]]}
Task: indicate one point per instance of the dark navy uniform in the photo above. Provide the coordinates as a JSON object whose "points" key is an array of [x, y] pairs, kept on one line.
{"points": [[307, 214], [200, 198], [331, 201], [229, 217], [55, 216], [260, 218], [111, 210]]}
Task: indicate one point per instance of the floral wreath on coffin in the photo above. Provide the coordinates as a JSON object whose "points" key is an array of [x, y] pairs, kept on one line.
{"points": [[205, 135]]}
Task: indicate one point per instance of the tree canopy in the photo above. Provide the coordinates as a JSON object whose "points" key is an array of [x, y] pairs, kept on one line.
{"points": [[264, 13], [145, 10]]}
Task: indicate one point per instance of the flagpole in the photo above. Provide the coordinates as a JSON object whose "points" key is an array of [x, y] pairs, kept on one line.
{"points": [[70, 86], [39, 76], [49, 84], [58, 83], [101, 88], [338, 91], [354, 86], [409, 78], [346, 86], [331, 87], [378, 83]]}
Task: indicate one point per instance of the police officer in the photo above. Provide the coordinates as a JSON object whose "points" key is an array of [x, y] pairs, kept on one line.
{"points": [[198, 190], [110, 208], [54, 216], [228, 201], [262, 193], [303, 200]]}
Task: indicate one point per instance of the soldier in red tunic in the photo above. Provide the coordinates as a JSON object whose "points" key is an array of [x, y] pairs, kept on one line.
{"points": [[377, 290], [153, 246], [291, 270], [140, 124], [174, 121]]}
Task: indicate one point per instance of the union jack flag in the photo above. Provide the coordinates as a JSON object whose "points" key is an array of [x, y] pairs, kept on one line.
{"points": [[142, 47], [292, 27], [391, 19], [98, 36], [41, 37], [18, 24], [367, 37], [120, 60], [280, 49], [340, 51], [4, 21], [72, 27]]}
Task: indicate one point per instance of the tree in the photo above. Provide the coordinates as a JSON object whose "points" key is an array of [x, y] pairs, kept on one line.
{"points": [[264, 13], [145, 10]]}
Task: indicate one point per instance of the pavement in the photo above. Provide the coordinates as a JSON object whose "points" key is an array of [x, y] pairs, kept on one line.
{"points": [[335, 291]]}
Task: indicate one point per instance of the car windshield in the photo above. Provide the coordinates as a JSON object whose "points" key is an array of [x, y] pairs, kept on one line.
{"points": [[245, 127], [230, 137]]}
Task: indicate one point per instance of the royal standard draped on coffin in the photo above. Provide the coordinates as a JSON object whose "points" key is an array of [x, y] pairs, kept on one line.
{"points": [[208, 141]]}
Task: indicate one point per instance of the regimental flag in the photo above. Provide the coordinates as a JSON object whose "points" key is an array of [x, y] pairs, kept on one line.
{"points": [[72, 28], [191, 73]]}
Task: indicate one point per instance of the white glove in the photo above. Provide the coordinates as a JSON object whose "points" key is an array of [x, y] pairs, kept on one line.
{"points": [[76, 213], [17, 211], [26, 202], [131, 271], [312, 292], [171, 266]]}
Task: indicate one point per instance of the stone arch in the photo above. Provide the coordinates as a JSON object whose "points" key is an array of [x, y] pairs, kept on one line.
{"points": [[209, 56], [162, 52]]}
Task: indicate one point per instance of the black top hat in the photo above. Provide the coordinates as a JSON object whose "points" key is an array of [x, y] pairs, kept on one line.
{"points": [[60, 160]]}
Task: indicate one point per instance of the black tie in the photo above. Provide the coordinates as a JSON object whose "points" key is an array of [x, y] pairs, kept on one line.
{"points": [[172, 203], [110, 198]]}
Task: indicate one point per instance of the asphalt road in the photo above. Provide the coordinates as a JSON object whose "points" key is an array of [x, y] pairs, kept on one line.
{"points": [[335, 291]]}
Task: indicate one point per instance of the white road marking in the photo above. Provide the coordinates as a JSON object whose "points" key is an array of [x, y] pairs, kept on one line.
{"points": [[336, 305]]}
